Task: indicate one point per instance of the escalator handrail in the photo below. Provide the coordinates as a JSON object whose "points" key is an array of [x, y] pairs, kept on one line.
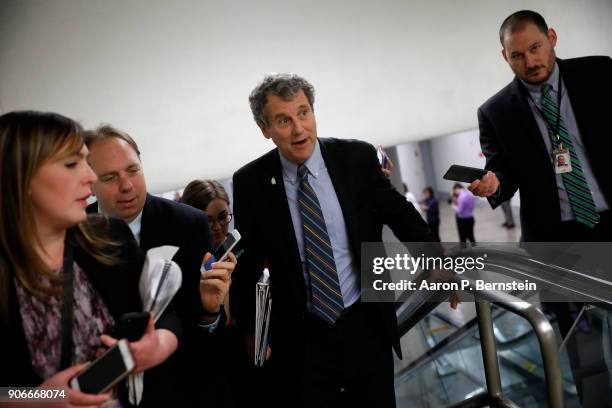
{"points": [[541, 327]]}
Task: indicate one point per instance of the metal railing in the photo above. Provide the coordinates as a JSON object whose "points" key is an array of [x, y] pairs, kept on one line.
{"points": [[544, 333], [493, 396], [517, 263]]}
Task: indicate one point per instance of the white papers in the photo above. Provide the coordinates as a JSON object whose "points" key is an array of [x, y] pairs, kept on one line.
{"points": [[160, 279], [263, 307]]}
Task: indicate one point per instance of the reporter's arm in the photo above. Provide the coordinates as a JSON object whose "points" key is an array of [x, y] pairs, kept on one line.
{"points": [[214, 287]]}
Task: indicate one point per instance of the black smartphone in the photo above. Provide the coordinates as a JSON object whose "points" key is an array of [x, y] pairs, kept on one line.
{"points": [[131, 326], [106, 371], [464, 173]]}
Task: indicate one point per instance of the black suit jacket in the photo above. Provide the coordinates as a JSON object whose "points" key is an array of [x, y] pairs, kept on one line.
{"points": [[165, 222], [261, 211], [117, 286], [515, 150]]}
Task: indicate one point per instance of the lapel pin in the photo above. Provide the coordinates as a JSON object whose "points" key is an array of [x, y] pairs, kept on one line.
{"points": [[273, 181]]}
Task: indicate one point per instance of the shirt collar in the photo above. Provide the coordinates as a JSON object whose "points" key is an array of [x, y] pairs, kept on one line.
{"points": [[553, 80], [135, 227], [314, 164]]}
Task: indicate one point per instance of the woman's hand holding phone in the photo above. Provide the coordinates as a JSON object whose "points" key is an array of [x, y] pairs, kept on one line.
{"points": [[74, 398], [215, 283]]}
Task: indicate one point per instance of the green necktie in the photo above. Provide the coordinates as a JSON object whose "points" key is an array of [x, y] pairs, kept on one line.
{"points": [[578, 191]]}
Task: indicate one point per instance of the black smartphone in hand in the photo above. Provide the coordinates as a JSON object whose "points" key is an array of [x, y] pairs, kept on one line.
{"points": [[131, 326], [464, 173]]}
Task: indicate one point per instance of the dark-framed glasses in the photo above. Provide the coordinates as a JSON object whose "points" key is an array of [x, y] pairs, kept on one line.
{"points": [[223, 219]]}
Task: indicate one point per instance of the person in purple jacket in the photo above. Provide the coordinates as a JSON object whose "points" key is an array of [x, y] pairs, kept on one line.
{"points": [[463, 204]]}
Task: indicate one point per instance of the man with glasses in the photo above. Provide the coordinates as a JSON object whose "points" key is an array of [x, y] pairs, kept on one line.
{"points": [[121, 192]]}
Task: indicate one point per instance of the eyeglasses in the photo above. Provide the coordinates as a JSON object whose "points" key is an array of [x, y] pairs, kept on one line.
{"points": [[223, 219]]}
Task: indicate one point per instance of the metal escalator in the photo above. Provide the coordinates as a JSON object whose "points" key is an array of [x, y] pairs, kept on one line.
{"points": [[445, 365], [452, 371]]}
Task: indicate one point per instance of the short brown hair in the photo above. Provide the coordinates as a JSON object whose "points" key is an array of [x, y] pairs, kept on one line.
{"points": [[104, 132], [517, 21], [199, 193]]}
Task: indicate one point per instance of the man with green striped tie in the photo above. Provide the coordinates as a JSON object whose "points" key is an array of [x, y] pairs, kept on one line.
{"points": [[548, 135]]}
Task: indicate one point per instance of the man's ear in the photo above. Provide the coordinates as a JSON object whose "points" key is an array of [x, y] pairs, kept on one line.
{"points": [[504, 55], [264, 130], [552, 36]]}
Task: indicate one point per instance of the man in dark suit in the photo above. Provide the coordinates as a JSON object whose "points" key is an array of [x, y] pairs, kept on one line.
{"points": [[304, 209], [547, 134], [121, 192], [519, 129]]}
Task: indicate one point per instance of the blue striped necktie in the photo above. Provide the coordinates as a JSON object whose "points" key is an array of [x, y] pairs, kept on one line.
{"points": [[326, 297], [578, 191]]}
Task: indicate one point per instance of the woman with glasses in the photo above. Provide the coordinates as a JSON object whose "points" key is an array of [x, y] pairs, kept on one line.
{"points": [[210, 197]]}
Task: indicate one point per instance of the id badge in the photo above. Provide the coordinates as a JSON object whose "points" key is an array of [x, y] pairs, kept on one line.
{"points": [[561, 161]]}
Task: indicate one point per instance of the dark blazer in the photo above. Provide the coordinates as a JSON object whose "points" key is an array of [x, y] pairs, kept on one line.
{"points": [[368, 200], [116, 285], [165, 222], [515, 150]]}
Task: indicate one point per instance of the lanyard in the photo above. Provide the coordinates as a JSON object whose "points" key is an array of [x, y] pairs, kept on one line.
{"points": [[558, 120]]}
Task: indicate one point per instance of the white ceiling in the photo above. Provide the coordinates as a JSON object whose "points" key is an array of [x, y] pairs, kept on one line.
{"points": [[176, 75]]}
